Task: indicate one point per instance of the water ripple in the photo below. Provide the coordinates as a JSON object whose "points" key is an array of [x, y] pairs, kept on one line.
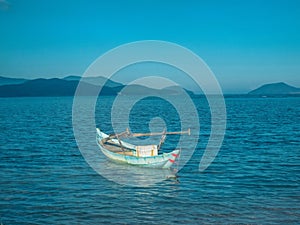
{"points": [[254, 179]]}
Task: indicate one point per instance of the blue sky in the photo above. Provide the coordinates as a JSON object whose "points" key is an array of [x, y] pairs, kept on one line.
{"points": [[245, 43]]}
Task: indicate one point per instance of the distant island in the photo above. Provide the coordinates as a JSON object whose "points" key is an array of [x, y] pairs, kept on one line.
{"points": [[15, 87], [275, 89]]}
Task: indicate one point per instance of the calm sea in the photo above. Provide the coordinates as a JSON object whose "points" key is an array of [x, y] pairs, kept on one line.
{"points": [[255, 179]]}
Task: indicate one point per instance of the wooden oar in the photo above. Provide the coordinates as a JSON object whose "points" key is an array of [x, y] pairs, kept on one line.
{"points": [[188, 131]]}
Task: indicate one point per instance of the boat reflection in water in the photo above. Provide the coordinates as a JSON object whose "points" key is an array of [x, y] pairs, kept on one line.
{"points": [[126, 174]]}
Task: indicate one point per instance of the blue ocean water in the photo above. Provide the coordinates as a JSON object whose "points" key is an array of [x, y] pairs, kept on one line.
{"points": [[255, 178]]}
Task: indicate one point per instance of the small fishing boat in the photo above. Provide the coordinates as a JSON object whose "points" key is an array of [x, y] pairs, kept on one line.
{"points": [[145, 155]]}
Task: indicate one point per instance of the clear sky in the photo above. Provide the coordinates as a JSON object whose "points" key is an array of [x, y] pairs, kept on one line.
{"points": [[245, 43]]}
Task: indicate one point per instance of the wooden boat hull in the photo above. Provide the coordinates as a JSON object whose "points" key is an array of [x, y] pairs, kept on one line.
{"points": [[164, 160]]}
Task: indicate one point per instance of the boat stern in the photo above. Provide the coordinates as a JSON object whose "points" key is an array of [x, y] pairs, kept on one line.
{"points": [[172, 156]]}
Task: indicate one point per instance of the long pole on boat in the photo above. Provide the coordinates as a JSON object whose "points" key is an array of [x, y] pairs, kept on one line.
{"points": [[128, 134], [188, 131]]}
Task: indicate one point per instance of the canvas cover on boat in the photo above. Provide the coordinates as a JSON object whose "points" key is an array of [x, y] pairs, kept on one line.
{"points": [[146, 150]]}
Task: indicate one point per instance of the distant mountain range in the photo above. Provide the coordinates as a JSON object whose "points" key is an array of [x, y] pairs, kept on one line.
{"points": [[11, 87], [14, 87], [94, 80], [6, 80], [275, 89]]}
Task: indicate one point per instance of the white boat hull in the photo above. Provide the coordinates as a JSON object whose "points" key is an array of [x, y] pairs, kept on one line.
{"points": [[164, 160]]}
